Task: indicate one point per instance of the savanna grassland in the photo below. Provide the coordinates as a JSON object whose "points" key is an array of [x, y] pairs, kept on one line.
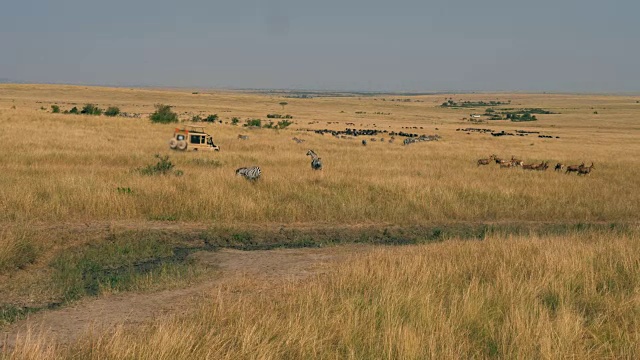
{"points": [[556, 275]]}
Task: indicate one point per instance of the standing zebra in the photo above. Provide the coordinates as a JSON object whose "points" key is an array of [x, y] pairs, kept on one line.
{"points": [[249, 173], [316, 163]]}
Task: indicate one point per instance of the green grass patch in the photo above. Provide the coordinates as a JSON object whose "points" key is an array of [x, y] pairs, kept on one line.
{"points": [[120, 263]]}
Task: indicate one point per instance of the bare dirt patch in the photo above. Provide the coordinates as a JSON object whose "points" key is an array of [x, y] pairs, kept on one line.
{"points": [[97, 314]]}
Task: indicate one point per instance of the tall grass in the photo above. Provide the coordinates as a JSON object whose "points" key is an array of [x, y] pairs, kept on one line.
{"points": [[509, 297], [17, 249], [69, 168]]}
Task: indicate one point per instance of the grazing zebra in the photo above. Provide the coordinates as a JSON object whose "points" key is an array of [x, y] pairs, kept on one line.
{"points": [[316, 162], [249, 173]]}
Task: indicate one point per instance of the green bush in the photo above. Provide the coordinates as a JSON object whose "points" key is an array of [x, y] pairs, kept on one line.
{"points": [[211, 118], [253, 122], [284, 123], [162, 167], [196, 118], [112, 111], [163, 115], [91, 109], [235, 121], [55, 109], [74, 110]]}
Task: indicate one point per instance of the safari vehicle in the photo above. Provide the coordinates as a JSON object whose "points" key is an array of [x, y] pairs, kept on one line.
{"points": [[192, 137]]}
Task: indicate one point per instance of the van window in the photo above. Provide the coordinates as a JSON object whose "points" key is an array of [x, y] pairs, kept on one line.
{"points": [[195, 139]]}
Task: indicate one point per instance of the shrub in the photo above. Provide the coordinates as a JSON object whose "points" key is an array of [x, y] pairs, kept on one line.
{"points": [[253, 122], [269, 125], [55, 109], [162, 167], [196, 118], [235, 121], [91, 109], [284, 123], [211, 118], [163, 115], [74, 110], [112, 111]]}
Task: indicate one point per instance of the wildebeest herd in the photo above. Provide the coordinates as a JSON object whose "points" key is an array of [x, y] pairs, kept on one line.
{"points": [[542, 166]]}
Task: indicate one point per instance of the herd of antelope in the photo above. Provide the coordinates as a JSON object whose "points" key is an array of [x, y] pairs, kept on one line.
{"points": [[544, 165]]}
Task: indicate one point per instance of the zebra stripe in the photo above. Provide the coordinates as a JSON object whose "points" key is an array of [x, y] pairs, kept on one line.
{"points": [[316, 163], [249, 173]]}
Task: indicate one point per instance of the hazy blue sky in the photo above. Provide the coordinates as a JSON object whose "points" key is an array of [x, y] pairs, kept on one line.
{"points": [[402, 45]]}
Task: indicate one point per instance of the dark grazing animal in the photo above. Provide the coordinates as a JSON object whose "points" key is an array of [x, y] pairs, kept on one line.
{"points": [[585, 170], [516, 162], [364, 142], [559, 167], [316, 163], [543, 166], [485, 161], [573, 168], [250, 173]]}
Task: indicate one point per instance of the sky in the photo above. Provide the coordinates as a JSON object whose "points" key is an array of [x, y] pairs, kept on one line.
{"points": [[346, 45]]}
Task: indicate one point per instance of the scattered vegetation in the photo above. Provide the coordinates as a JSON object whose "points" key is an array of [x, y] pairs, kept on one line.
{"points": [[163, 115], [253, 123], [91, 109], [283, 124], [211, 118], [162, 167], [234, 121], [74, 110], [112, 111], [55, 109]]}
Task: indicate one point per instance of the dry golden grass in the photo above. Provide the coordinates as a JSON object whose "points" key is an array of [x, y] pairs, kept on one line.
{"points": [[68, 167], [509, 297], [449, 300]]}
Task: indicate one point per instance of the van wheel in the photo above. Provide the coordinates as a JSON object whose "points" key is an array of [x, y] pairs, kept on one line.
{"points": [[173, 143], [182, 145]]}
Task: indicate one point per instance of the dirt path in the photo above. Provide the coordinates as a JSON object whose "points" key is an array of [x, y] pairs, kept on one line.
{"points": [[95, 314]]}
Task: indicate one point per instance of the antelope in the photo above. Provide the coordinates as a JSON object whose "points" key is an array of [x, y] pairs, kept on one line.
{"points": [[485, 161], [573, 168], [529, 166], [516, 162], [559, 167], [543, 166], [585, 170], [506, 164]]}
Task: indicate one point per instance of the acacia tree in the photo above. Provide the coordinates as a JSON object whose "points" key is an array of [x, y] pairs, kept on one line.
{"points": [[283, 103]]}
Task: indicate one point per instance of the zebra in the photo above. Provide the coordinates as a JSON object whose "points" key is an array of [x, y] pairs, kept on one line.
{"points": [[316, 163], [249, 173]]}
